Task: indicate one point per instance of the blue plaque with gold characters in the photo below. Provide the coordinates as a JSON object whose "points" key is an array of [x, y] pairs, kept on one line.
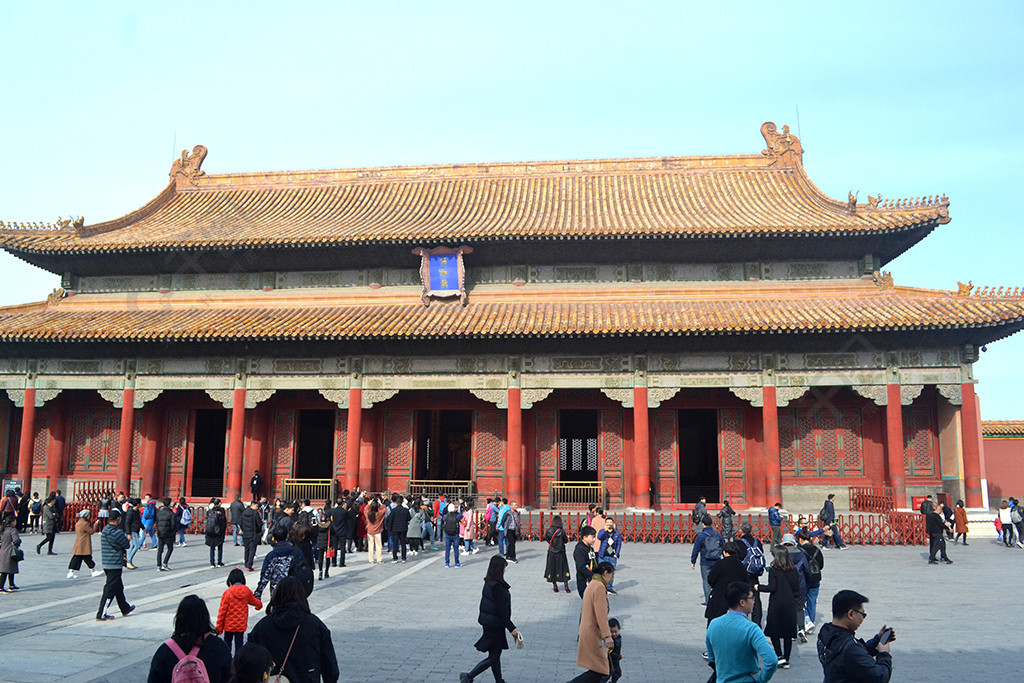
{"points": [[443, 273]]}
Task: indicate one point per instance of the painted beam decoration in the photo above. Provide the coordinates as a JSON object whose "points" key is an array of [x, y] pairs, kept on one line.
{"points": [[443, 273]]}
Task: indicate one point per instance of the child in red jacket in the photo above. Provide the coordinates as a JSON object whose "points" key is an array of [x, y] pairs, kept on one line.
{"points": [[233, 615]]}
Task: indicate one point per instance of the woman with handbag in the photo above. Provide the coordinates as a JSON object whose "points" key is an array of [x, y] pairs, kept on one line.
{"points": [[194, 635], [556, 569], [295, 637], [10, 552], [495, 618]]}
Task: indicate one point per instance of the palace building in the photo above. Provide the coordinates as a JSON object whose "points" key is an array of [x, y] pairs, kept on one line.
{"points": [[645, 331]]}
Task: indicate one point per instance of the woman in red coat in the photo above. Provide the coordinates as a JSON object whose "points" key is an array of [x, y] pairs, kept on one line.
{"points": [[960, 521]]}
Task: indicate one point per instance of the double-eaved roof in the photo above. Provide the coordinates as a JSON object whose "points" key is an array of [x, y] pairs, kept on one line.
{"points": [[701, 196], [740, 196]]}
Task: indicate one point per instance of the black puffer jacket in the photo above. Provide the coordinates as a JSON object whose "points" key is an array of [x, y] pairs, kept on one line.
{"points": [[496, 607], [845, 657], [312, 656], [251, 524], [398, 520], [166, 524]]}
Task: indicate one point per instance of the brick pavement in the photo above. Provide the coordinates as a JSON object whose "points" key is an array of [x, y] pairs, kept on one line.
{"points": [[417, 621]]}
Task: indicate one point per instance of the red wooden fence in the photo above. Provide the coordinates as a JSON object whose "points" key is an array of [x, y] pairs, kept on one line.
{"points": [[872, 499], [891, 528]]}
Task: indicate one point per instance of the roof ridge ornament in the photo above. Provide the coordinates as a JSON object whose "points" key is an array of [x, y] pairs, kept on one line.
{"points": [[883, 279], [187, 168], [783, 148], [965, 290]]}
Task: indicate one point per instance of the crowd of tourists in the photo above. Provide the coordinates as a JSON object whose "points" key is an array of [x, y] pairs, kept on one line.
{"points": [[759, 595]]}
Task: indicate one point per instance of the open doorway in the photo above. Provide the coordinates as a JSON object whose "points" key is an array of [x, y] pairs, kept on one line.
{"points": [[577, 445], [314, 451], [698, 455], [208, 454], [444, 443]]}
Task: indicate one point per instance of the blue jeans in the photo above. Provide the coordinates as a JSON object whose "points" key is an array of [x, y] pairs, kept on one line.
{"points": [[234, 532], [181, 533], [449, 543], [219, 549], [811, 603], [151, 530], [705, 569], [613, 561], [470, 545], [836, 537], [501, 542], [134, 547]]}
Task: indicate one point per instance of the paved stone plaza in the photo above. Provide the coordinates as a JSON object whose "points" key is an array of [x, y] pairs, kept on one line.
{"points": [[417, 621]]}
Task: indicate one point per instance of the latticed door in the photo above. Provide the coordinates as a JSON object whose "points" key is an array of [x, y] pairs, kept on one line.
{"points": [[340, 443], [816, 442], [398, 449], [177, 447], [732, 455], [610, 455], [282, 447], [666, 454], [546, 441], [920, 445], [489, 427]]}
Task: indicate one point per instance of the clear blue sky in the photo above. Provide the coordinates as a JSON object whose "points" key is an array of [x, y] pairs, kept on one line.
{"points": [[905, 99]]}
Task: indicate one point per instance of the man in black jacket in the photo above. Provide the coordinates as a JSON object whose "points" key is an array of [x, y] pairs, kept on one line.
{"points": [[251, 523], [256, 485], [133, 529], [166, 526], [397, 524], [843, 656], [235, 511], [339, 518], [936, 528], [583, 556]]}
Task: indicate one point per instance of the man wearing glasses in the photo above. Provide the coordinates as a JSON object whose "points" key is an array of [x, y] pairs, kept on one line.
{"points": [[843, 656], [735, 643]]}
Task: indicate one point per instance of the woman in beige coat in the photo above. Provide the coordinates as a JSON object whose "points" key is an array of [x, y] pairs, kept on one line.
{"points": [[82, 550], [595, 637]]}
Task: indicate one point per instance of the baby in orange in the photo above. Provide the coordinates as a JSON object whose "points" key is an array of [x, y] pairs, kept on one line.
{"points": [[233, 615]]}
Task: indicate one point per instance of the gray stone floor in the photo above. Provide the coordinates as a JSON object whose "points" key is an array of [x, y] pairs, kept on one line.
{"points": [[417, 621]]}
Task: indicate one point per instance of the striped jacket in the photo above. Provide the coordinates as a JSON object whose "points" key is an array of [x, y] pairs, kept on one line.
{"points": [[113, 543]]}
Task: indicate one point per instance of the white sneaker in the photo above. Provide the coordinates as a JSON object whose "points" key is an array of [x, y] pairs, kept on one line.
{"points": [[809, 627], [71, 574], [783, 663], [802, 636], [97, 572], [476, 550]]}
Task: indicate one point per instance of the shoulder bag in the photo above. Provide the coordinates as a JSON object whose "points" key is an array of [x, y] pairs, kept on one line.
{"points": [[281, 678]]}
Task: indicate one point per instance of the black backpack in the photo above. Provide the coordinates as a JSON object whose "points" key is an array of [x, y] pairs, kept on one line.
{"points": [[451, 524], [213, 524], [713, 547], [814, 573], [301, 570]]}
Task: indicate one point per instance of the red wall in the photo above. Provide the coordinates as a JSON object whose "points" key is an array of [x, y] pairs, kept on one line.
{"points": [[1004, 467]]}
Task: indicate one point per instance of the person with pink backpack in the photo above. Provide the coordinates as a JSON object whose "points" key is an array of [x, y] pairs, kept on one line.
{"points": [[194, 654]]}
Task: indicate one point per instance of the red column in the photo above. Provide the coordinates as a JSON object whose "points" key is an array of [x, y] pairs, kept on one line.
{"points": [[514, 453], [971, 425], [757, 473], [353, 455], [367, 450], [641, 449], [894, 447], [772, 468], [58, 442], [124, 443], [28, 432], [236, 443], [149, 468]]}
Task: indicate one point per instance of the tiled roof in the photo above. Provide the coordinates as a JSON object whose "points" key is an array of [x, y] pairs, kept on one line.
{"points": [[702, 196], [1002, 428], [505, 311]]}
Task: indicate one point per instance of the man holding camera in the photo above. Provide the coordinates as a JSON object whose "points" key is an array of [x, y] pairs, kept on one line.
{"points": [[843, 656]]}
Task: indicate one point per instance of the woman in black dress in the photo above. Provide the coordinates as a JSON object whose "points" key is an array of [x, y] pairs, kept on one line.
{"points": [[557, 567], [784, 587], [496, 618]]}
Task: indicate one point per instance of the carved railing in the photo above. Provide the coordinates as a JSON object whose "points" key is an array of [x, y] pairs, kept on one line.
{"points": [[92, 491], [575, 495], [451, 488], [872, 499], [316, 490]]}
